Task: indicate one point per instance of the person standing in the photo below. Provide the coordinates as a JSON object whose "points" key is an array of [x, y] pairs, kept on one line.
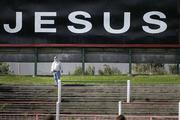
{"points": [[56, 69]]}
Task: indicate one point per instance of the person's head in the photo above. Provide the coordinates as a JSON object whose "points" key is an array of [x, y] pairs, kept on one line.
{"points": [[55, 58], [50, 117], [120, 117]]}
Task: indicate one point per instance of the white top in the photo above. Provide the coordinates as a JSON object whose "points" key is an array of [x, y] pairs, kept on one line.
{"points": [[56, 66]]}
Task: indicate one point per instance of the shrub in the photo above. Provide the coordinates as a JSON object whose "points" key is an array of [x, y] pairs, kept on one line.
{"points": [[4, 68], [90, 70], [150, 68], [78, 71], [107, 70], [141, 69], [172, 69], [116, 71]]}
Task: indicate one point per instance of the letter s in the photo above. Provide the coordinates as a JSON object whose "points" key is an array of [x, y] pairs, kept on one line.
{"points": [[162, 25], [73, 19]]}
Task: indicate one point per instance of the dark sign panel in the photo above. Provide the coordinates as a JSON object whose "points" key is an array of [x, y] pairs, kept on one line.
{"points": [[89, 23]]}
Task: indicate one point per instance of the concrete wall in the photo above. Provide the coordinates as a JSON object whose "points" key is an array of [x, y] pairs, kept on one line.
{"points": [[22, 59], [68, 68], [92, 55]]}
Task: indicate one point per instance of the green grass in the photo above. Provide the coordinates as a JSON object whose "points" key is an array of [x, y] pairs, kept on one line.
{"points": [[141, 79]]}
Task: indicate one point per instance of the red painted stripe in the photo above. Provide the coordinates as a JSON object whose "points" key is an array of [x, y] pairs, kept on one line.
{"points": [[95, 45]]}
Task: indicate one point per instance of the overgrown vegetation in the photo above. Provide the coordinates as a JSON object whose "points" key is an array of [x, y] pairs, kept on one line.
{"points": [[78, 71], [173, 69], [90, 70], [107, 70], [150, 68], [4, 68]]}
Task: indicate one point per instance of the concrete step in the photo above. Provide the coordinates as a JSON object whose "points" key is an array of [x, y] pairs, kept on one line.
{"points": [[135, 108], [81, 117], [138, 93], [90, 99]]}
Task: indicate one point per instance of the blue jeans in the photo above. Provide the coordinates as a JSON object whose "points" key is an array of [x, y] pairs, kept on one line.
{"points": [[57, 76]]}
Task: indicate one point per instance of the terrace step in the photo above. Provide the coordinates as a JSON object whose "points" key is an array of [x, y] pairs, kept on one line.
{"points": [[90, 93], [135, 108], [90, 99], [82, 117]]}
